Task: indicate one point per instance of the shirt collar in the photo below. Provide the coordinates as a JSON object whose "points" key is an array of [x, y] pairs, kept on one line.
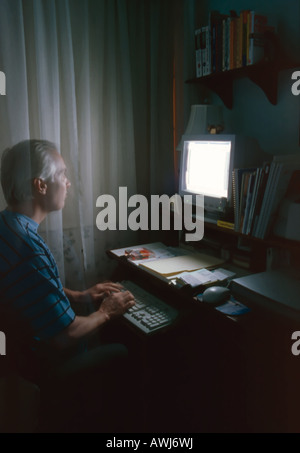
{"points": [[27, 222]]}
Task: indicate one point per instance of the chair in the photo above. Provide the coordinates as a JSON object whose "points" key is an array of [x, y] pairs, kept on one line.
{"points": [[37, 393], [19, 405], [19, 398]]}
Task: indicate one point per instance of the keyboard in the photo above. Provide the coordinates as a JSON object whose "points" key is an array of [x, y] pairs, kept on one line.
{"points": [[149, 314]]}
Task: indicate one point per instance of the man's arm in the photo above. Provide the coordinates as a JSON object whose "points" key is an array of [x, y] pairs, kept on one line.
{"points": [[83, 326]]}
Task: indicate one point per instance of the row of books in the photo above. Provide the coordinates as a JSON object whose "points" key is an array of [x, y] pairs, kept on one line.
{"points": [[230, 41], [257, 193]]}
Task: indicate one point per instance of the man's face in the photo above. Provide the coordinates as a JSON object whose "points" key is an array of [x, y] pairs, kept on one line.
{"points": [[57, 189]]}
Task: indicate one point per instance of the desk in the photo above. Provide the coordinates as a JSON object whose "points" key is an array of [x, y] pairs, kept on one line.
{"points": [[217, 373]]}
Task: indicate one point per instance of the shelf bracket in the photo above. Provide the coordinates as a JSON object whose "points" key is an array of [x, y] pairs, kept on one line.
{"points": [[267, 81]]}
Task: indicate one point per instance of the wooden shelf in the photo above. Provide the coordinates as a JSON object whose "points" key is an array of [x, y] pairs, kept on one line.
{"points": [[263, 74], [272, 241]]}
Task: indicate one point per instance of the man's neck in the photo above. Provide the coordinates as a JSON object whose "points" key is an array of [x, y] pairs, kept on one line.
{"points": [[29, 209]]}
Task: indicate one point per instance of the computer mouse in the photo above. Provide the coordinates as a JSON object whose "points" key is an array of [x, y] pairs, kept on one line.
{"points": [[216, 295]]}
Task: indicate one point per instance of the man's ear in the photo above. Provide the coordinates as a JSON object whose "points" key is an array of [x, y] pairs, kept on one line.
{"points": [[39, 186]]}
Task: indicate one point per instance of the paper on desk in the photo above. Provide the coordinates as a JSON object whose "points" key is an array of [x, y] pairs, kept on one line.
{"points": [[204, 276], [223, 274], [179, 264], [197, 278], [147, 252]]}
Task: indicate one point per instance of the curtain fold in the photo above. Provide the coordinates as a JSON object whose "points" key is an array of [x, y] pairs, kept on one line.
{"points": [[96, 78]]}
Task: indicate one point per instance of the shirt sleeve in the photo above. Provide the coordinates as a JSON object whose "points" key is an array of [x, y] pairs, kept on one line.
{"points": [[35, 293]]}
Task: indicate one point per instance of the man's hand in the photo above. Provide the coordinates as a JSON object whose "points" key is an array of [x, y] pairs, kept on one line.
{"points": [[100, 291], [117, 304], [95, 294]]}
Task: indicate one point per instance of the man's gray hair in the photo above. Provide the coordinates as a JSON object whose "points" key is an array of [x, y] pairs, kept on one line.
{"points": [[22, 163]]}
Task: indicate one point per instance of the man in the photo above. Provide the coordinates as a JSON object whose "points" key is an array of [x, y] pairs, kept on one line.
{"points": [[34, 183]]}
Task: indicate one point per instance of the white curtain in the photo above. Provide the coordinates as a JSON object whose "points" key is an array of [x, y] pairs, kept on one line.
{"points": [[96, 78]]}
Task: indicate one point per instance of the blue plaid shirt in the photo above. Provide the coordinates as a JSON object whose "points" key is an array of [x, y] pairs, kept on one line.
{"points": [[30, 287]]}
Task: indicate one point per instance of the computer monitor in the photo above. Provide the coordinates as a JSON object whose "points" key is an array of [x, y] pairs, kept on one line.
{"points": [[207, 163]]}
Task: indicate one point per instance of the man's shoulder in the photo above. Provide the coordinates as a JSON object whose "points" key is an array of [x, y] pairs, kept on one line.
{"points": [[16, 241], [10, 224]]}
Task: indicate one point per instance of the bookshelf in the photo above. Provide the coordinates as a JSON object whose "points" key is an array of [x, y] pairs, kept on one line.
{"points": [[271, 241], [255, 258], [264, 74], [239, 45]]}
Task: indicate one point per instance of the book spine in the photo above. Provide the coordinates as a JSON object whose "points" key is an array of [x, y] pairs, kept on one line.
{"points": [[224, 41], [227, 44], [254, 199], [245, 37], [248, 202], [224, 224], [213, 42], [266, 195], [231, 43], [198, 53], [258, 26], [260, 196], [239, 42], [248, 36], [207, 51], [204, 51]]}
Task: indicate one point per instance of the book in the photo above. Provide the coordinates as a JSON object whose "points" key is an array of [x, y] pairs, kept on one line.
{"points": [[232, 40], [269, 193], [198, 50], [260, 195], [243, 198], [245, 44], [264, 201], [238, 185], [251, 183], [225, 224], [258, 26], [206, 50], [213, 18], [258, 177], [216, 31], [283, 177], [281, 171], [239, 42], [225, 42]]}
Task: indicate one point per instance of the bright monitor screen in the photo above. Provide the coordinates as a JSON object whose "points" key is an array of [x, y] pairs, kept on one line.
{"points": [[207, 167]]}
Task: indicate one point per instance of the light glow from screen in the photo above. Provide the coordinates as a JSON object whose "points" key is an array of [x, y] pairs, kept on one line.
{"points": [[207, 170]]}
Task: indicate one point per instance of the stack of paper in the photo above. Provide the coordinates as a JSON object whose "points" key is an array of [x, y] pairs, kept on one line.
{"points": [[204, 277], [169, 267]]}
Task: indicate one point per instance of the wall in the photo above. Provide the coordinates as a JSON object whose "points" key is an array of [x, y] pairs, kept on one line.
{"points": [[276, 127]]}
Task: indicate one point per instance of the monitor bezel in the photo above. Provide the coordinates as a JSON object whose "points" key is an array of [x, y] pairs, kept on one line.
{"points": [[211, 204]]}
